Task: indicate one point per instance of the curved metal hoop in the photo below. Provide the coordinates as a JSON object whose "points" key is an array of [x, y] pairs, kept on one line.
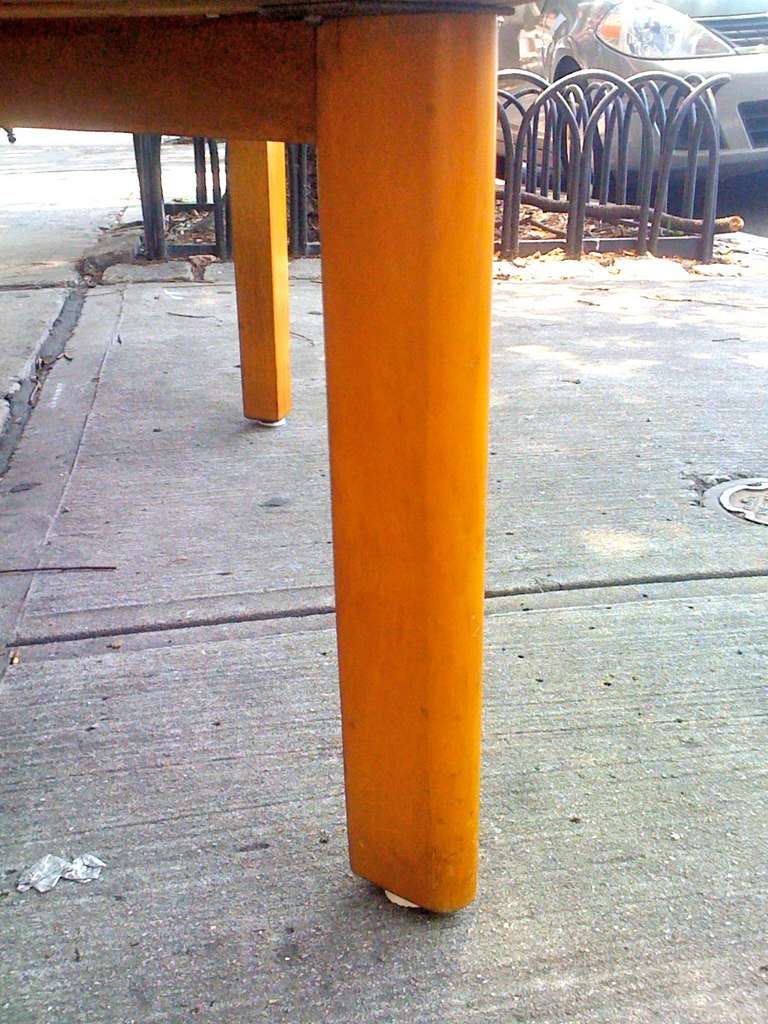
{"points": [[602, 139]]}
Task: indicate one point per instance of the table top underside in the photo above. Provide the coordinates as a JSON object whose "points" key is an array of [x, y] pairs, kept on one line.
{"points": [[274, 9], [239, 76]]}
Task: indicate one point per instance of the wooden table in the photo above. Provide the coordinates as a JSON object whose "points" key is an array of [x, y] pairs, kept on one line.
{"points": [[400, 99]]}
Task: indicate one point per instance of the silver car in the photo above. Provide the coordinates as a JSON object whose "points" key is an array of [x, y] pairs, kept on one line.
{"points": [[556, 37]]}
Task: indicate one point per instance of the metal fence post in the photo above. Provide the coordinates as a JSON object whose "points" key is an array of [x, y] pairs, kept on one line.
{"points": [[147, 150]]}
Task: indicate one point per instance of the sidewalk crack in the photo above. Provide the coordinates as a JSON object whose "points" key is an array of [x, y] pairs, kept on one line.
{"points": [[78, 298]]}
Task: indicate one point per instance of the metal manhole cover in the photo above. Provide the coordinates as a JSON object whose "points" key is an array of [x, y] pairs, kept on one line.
{"points": [[747, 499]]}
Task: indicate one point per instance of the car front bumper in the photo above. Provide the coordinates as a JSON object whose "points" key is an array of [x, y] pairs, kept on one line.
{"points": [[744, 129]]}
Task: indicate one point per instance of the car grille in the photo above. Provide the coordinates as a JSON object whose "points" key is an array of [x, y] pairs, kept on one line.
{"points": [[754, 114], [746, 33]]}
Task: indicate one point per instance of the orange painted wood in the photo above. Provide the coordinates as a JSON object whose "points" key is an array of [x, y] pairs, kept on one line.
{"points": [[256, 171], [405, 111], [267, 8], [406, 150], [237, 77], [122, 8]]}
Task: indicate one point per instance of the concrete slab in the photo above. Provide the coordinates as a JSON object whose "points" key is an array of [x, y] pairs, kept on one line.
{"points": [[300, 269], [119, 246], [180, 405], [623, 403], [219, 273], [41, 274], [32, 490], [624, 831], [612, 409], [58, 197], [178, 715], [585, 271], [306, 268], [26, 317], [135, 273]]}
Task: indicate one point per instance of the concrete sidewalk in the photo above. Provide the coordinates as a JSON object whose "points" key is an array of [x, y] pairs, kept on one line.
{"points": [[178, 714], [61, 191]]}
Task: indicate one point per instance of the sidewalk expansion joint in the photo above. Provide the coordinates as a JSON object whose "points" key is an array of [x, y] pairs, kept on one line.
{"points": [[23, 401], [32, 287], [167, 627], [312, 611], [554, 587]]}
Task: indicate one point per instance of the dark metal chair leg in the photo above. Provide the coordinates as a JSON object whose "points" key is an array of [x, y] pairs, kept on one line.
{"points": [[218, 205], [147, 151], [201, 190]]}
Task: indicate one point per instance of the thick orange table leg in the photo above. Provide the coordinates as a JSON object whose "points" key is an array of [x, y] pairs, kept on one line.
{"points": [[257, 175], [406, 150]]}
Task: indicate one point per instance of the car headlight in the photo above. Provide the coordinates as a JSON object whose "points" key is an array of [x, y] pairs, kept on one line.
{"points": [[654, 31]]}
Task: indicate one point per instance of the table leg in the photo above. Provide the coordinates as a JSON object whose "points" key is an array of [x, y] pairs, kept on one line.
{"points": [[406, 153], [257, 179]]}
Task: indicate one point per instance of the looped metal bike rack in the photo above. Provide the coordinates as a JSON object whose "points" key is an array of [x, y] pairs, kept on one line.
{"points": [[154, 209], [301, 192], [596, 145]]}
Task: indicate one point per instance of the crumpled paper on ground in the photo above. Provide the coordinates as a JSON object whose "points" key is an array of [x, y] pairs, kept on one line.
{"points": [[46, 872]]}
